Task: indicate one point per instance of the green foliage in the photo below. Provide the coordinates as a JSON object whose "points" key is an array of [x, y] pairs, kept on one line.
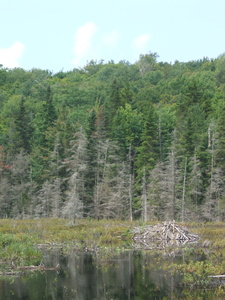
{"points": [[127, 127], [23, 129], [134, 108], [148, 151], [19, 239]]}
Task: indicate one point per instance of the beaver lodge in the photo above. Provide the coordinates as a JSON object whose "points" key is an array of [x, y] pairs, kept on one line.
{"points": [[167, 232]]}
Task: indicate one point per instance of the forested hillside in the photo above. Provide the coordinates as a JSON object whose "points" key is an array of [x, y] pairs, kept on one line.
{"points": [[114, 140]]}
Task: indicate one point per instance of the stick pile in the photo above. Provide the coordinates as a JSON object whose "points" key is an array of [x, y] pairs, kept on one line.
{"points": [[167, 231]]}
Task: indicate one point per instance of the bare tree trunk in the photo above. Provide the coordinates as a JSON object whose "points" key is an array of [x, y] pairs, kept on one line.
{"points": [[172, 177], [160, 138], [212, 208], [77, 163], [144, 197], [130, 186], [195, 183], [173, 182], [184, 189], [21, 185]]}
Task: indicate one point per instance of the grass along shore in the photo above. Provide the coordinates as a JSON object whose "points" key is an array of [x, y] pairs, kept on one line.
{"points": [[22, 242]]}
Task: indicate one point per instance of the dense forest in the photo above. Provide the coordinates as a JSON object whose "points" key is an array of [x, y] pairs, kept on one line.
{"points": [[114, 140]]}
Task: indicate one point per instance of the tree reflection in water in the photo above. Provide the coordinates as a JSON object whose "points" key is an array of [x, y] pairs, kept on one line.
{"points": [[136, 274]]}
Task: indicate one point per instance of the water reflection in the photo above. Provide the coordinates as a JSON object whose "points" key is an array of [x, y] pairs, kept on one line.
{"points": [[97, 275], [146, 244], [133, 274]]}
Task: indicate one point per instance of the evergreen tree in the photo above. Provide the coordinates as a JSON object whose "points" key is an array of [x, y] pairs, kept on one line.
{"points": [[133, 163], [44, 123], [44, 119], [148, 151], [23, 129], [126, 128], [220, 157], [49, 109], [113, 103]]}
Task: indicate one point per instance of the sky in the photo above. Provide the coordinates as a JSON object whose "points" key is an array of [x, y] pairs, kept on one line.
{"points": [[60, 35]]}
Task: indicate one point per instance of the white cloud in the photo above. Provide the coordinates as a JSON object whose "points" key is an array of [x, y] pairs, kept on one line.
{"points": [[141, 43], [112, 38], [83, 41], [9, 57]]}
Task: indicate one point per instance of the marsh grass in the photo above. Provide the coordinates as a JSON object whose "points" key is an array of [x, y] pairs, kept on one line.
{"points": [[201, 262], [19, 239], [21, 243]]}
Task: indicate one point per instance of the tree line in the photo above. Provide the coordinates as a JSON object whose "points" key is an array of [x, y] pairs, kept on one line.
{"points": [[114, 140]]}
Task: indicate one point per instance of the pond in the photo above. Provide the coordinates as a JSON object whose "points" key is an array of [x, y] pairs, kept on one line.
{"points": [[101, 274]]}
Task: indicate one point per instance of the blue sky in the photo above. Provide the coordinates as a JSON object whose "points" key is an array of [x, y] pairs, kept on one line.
{"points": [[66, 34]]}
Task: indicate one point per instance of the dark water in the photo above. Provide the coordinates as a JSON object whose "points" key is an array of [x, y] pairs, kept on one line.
{"points": [[97, 275]]}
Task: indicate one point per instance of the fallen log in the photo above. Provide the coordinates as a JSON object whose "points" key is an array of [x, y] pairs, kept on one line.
{"points": [[9, 273], [217, 276], [18, 270], [37, 268]]}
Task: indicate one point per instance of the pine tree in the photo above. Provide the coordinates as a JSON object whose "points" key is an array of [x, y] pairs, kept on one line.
{"points": [[43, 145], [23, 128], [221, 139], [44, 119], [148, 151], [113, 103], [49, 109], [126, 128]]}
